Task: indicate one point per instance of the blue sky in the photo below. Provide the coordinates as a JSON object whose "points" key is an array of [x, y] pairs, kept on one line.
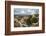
{"points": [[25, 11]]}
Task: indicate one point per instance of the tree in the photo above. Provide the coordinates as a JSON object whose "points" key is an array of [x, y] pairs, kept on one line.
{"points": [[34, 19], [29, 22]]}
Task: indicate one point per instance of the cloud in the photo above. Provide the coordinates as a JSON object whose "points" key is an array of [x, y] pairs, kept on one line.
{"points": [[25, 11]]}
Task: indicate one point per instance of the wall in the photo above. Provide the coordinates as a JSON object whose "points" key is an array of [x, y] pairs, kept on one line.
{"points": [[2, 18]]}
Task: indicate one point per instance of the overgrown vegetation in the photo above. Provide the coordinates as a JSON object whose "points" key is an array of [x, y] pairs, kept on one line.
{"points": [[26, 21]]}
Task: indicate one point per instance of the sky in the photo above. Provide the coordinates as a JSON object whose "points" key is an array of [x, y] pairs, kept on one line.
{"points": [[25, 11]]}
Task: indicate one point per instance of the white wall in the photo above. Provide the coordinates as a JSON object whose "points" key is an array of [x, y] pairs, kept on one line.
{"points": [[2, 18]]}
